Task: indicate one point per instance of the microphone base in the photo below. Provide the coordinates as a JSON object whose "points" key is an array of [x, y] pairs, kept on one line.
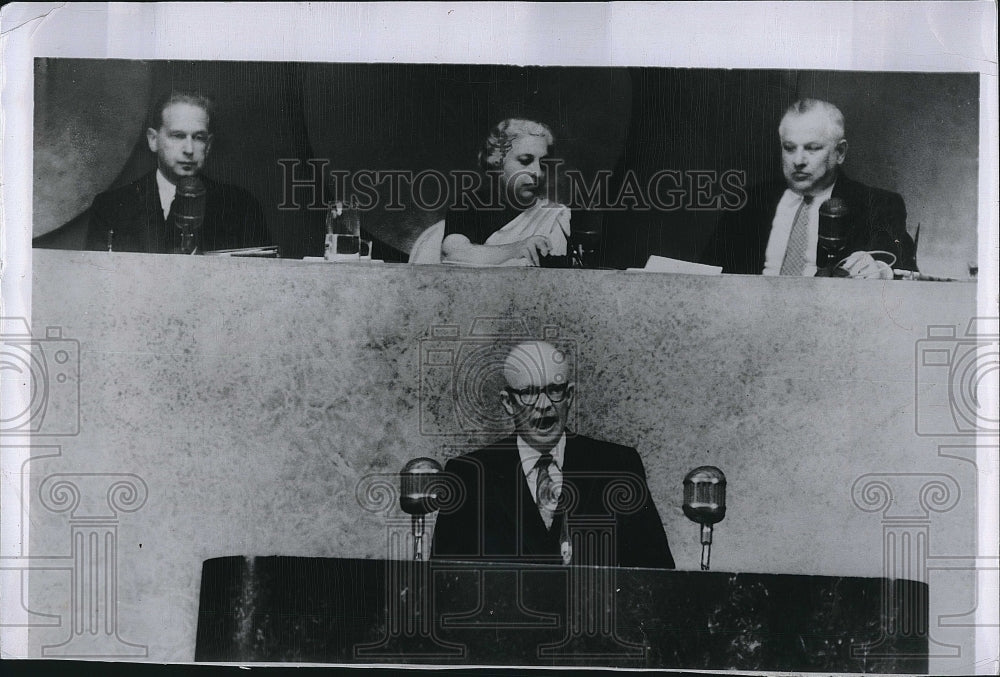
{"points": [[832, 270]]}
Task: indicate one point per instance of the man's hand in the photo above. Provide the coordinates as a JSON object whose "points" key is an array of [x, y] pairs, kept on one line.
{"points": [[861, 265]]}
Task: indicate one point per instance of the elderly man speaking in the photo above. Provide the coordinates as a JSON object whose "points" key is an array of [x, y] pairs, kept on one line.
{"points": [[529, 498]]}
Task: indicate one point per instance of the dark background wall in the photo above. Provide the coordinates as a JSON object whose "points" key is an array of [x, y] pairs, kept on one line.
{"points": [[914, 133]]}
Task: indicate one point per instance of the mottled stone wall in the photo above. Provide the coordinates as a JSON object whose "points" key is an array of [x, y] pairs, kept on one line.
{"points": [[251, 397]]}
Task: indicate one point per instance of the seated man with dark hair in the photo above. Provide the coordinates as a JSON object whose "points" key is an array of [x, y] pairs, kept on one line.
{"points": [[542, 496], [138, 217]]}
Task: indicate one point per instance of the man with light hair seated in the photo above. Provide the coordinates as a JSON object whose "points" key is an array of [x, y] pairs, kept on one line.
{"points": [[509, 221], [777, 230]]}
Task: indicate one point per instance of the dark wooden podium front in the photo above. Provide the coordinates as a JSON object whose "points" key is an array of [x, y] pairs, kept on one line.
{"points": [[452, 613]]}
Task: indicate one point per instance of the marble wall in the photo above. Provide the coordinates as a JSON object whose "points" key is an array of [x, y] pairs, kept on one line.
{"points": [[252, 396]]}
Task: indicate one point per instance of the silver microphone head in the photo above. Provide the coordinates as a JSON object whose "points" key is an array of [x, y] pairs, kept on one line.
{"points": [[705, 495], [418, 486]]}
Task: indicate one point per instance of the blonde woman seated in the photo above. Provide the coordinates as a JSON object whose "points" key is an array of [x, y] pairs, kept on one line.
{"points": [[515, 224]]}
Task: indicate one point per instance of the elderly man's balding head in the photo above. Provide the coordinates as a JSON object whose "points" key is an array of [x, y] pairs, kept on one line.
{"points": [[539, 392], [535, 363]]}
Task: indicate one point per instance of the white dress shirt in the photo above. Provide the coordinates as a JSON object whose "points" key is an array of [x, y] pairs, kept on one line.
{"points": [[781, 230], [530, 456], [167, 192]]}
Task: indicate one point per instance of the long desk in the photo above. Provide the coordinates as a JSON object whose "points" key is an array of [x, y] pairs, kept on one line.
{"points": [[374, 611]]}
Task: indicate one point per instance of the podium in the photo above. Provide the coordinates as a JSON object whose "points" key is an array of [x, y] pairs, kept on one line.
{"points": [[331, 610]]}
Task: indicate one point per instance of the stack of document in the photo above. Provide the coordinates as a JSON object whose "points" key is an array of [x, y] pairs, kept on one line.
{"points": [[661, 264], [270, 252]]}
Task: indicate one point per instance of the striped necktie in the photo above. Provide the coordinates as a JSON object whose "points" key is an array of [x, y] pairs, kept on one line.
{"points": [[794, 262], [545, 490]]}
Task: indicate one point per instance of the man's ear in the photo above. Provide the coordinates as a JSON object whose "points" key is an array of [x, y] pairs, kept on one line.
{"points": [[570, 391], [508, 406], [841, 149], [208, 144], [151, 139]]}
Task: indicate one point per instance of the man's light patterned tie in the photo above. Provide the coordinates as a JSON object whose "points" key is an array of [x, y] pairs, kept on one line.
{"points": [[795, 254], [545, 494]]}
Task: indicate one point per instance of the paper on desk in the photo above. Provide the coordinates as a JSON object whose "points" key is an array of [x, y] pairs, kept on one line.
{"points": [[323, 259], [270, 251], [661, 264]]}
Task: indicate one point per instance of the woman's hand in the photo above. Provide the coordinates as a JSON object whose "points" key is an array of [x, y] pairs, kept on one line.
{"points": [[532, 248], [457, 248]]}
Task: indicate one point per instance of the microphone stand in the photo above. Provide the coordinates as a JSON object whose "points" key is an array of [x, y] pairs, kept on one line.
{"points": [[418, 496], [706, 546], [705, 504], [418, 537]]}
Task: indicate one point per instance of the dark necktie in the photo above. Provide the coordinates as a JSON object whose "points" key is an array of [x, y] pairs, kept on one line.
{"points": [[545, 489], [794, 262], [169, 218]]}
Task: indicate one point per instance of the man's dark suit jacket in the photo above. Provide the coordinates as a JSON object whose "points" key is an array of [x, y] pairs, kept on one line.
{"points": [[605, 488], [877, 220], [233, 219]]}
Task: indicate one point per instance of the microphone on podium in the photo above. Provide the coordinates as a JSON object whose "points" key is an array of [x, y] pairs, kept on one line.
{"points": [[585, 240], [834, 226], [705, 503], [418, 496], [188, 212]]}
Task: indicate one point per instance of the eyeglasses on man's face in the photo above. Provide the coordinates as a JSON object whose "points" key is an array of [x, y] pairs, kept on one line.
{"points": [[556, 392]]}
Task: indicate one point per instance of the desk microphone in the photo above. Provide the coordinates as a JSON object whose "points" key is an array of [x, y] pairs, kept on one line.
{"points": [[418, 496], [585, 240], [705, 503], [188, 212], [834, 226]]}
